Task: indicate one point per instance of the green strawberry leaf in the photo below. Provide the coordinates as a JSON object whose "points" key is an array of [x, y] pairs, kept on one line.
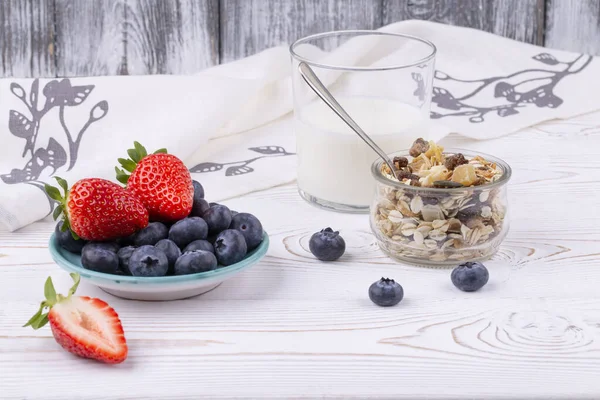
{"points": [[127, 164], [76, 279], [141, 150], [36, 316], [62, 183], [122, 176], [41, 321], [161, 151], [57, 212], [133, 155], [50, 292], [53, 193]]}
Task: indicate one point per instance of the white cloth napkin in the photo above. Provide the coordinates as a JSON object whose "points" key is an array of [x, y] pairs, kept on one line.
{"points": [[232, 124]]}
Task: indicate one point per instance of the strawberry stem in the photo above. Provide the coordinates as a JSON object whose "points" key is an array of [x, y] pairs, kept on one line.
{"points": [[128, 165], [40, 318], [61, 208]]}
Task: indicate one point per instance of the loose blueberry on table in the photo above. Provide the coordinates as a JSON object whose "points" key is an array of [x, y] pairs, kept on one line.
{"points": [[386, 292], [470, 276], [327, 245]]}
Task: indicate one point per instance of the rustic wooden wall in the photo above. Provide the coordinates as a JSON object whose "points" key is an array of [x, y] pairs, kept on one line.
{"points": [[107, 37]]}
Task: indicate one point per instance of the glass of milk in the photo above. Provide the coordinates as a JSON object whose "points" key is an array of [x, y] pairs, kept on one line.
{"points": [[384, 82]]}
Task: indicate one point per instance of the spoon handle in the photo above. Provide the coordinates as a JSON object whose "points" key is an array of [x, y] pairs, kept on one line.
{"points": [[319, 88]]}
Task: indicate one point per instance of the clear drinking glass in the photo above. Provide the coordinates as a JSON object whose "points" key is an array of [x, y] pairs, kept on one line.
{"points": [[384, 82]]}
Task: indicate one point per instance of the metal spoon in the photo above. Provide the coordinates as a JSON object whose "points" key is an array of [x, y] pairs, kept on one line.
{"points": [[319, 88]]}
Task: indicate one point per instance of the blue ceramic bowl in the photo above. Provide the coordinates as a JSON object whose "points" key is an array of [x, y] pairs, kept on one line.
{"points": [[156, 288]]}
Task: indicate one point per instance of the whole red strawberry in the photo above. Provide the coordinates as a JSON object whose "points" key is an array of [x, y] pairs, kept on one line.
{"points": [[97, 209], [84, 326], [161, 181]]}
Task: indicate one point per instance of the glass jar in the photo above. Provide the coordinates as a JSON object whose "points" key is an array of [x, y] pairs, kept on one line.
{"points": [[440, 226], [384, 81]]}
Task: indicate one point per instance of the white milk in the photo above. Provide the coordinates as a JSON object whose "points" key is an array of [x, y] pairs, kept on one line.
{"points": [[334, 163]]}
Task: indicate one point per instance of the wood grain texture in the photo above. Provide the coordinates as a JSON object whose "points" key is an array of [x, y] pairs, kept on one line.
{"points": [[174, 37], [517, 19], [27, 38], [294, 327], [90, 37], [249, 26], [573, 25]]}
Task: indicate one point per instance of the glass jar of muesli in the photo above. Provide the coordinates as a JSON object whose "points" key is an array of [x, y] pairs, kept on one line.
{"points": [[423, 219]]}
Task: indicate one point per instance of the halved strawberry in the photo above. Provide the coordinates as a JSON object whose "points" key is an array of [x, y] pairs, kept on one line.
{"points": [[84, 326], [161, 181], [97, 209]]}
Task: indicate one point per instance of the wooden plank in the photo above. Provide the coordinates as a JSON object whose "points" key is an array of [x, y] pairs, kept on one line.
{"points": [[517, 19], [172, 37], [90, 38], [249, 26], [26, 38], [573, 25]]}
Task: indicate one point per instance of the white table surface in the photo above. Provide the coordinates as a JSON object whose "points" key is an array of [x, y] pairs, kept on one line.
{"points": [[296, 327]]}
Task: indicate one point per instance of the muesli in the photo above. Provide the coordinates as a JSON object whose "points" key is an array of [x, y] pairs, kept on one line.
{"points": [[464, 222]]}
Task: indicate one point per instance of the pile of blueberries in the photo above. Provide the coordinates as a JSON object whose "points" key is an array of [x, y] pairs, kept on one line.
{"points": [[212, 236]]}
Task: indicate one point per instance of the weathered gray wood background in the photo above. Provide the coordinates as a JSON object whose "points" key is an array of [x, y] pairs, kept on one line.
{"points": [[48, 38]]}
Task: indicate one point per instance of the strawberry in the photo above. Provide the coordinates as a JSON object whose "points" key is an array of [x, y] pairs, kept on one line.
{"points": [[97, 209], [161, 181], [84, 326]]}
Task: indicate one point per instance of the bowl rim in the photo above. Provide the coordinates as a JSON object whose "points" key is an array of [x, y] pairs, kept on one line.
{"points": [[376, 172], [254, 256]]}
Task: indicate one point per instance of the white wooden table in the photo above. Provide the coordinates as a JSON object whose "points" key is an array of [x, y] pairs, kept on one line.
{"points": [[296, 327]]}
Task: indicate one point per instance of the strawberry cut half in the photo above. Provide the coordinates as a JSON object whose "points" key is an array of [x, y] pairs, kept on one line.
{"points": [[84, 326]]}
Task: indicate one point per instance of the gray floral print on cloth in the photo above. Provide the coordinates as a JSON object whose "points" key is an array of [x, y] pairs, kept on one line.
{"points": [[56, 94], [519, 89]]}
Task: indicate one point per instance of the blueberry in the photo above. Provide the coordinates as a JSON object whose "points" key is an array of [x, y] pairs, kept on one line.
{"points": [[199, 245], [187, 230], [386, 292], [327, 245], [111, 246], [66, 241], [250, 227], [124, 255], [199, 207], [218, 218], [171, 251], [100, 257], [198, 190], [148, 261], [151, 234], [230, 247], [194, 262], [470, 276], [234, 213], [213, 204]]}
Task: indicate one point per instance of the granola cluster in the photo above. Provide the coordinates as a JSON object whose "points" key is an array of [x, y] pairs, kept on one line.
{"points": [[440, 226], [431, 167]]}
